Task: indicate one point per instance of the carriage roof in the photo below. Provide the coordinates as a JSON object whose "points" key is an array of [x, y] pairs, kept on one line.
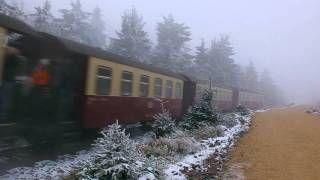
{"points": [[72, 46]]}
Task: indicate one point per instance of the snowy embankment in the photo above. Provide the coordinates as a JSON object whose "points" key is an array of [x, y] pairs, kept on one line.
{"points": [[173, 169], [171, 150], [218, 146], [51, 169]]}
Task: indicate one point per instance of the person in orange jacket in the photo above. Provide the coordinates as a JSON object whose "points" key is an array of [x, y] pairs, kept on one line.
{"points": [[41, 76]]}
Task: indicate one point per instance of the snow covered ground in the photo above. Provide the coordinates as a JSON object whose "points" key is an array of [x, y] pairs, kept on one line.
{"points": [[218, 145], [173, 169], [50, 169]]}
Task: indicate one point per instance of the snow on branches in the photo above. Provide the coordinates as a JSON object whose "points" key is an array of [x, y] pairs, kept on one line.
{"points": [[116, 156]]}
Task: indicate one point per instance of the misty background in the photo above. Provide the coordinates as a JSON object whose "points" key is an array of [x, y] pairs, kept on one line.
{"points": [[280, 36]]}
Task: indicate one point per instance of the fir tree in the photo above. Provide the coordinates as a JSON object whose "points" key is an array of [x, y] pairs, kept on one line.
{"points": [[172, 51], [132, 40], [98, 37], [221, 62], [204, 111], [163, 123], [271, 94], [5, 8], [15, 10], [202, 61], [251, 76], [116, 156], [75, 23], [43, 18]]}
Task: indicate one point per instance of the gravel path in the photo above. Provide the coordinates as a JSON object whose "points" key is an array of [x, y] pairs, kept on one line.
{"points": [[281, 144]]}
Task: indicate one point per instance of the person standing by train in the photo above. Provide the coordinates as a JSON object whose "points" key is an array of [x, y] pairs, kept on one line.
{"points": [[14, 72], [40, 94]]}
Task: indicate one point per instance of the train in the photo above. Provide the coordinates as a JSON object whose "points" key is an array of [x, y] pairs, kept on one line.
{"points": [[66, 81], [227, 98]]}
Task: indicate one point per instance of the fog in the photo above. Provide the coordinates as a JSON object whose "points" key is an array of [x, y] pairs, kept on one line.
{"points": [[281, 36]]}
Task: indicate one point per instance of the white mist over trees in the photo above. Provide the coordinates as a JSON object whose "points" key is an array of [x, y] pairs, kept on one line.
{"points": [[171, 49]]}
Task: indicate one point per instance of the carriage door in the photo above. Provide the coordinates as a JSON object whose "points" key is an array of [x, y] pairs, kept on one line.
{"points": [[3, 41], [189, 94]]}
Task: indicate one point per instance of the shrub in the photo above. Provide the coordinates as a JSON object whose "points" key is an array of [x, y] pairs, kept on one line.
{"points": [[205, 133], [163, 124], [201, 112], [116, 156], [164, 147], [209, 132], [228, 120], [242, 110]]}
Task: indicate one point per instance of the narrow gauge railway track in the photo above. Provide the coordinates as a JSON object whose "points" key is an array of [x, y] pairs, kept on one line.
{"points": [[12, 138], [16, 151]]}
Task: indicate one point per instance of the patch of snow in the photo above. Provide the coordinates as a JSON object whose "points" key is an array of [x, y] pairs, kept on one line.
{"points": [[50, 169], [148, 176], [68, 163], [218, 145], [263, 110]]}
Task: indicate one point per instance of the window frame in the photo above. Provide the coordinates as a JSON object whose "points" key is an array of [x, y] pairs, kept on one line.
{"points": [[169, 89], [98, 77], [158, 86], [147, 84], [126, 81]]}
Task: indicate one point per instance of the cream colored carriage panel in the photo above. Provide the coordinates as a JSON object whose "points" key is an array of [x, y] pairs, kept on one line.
{"points": [[117, 70]]}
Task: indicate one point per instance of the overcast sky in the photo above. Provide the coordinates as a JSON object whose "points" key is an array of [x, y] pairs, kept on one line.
{"points": [[282, 36]]}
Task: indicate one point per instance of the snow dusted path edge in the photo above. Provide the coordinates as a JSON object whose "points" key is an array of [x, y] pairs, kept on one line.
{"points": [[66, 164], [213, 146]]}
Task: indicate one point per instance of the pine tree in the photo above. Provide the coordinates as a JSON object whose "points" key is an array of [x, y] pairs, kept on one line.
{"points": [[116, 156], [43, 18], [98, 37], [271, 94], [223, 68], [240, 77], [202, 65], [204, 111], [75, 23], [172, 51], [163, 123], [5, 8], [132, 40], [251, 76], [15, 10]]}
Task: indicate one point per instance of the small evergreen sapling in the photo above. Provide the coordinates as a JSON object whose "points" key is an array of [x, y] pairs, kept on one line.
{"points": [[201, 112], [116, 157], [163, 123]]}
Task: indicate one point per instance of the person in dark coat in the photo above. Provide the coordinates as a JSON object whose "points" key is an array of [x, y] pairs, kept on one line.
{"points": [[13, 74]]}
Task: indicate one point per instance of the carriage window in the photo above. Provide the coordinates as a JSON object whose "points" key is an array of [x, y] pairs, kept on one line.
{"points": [[103, 86], [144, 86], [178, 90], [158, 88], [126, 83], [169, 89]]}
